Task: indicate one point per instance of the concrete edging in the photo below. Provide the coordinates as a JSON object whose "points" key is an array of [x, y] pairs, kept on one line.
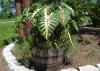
{"points": [[13, 64]]}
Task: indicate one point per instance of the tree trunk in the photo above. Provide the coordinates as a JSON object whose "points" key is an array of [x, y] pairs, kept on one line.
{"points": [[18, 7], [27, 3]]}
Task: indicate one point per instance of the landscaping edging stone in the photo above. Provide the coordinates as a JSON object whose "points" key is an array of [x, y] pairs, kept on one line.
{"points": [[98, 65], [14, 65], [69, 69], [88, 68]]}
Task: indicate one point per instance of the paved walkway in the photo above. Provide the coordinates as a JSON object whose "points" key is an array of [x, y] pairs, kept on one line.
{"points": [[3, 64]]}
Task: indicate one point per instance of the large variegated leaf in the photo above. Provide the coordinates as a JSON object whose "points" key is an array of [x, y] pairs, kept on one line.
{"points": [[65, 13], [68, 8], [64, 16], [30, 16], [48, 23], [34, 14]]}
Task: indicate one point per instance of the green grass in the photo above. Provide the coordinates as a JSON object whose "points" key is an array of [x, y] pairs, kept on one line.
{"points": [[7, 30], [5, 20]]}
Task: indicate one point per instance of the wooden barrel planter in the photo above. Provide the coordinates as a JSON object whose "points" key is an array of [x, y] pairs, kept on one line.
{"points": [[47, 59]]}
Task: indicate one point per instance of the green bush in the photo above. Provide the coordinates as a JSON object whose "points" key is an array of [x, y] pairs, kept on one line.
{"points": [[95, 14], [85, 20], [23, 53]]}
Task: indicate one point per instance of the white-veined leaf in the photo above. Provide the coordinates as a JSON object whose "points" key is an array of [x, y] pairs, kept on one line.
{"points": [[74, 23], [48, 23], [68, 8], [64, 16]]}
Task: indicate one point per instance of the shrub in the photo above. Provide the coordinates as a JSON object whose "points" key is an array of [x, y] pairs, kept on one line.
{"points": [[23, 53]]}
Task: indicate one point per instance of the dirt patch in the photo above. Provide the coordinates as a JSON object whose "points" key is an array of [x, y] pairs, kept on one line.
{"points": [[89, 51]]}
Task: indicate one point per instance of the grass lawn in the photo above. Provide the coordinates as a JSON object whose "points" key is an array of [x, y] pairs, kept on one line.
{"points": [[7, 30], [5, 20]]}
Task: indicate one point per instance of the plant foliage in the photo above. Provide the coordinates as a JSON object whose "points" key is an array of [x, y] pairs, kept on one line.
{"points": [[46, 16]]}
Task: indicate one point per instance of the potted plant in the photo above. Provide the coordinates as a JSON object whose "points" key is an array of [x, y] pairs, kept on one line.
{"points": [[51, 22]]}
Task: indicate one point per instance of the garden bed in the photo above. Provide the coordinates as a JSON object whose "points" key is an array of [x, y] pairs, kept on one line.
{"points": [[89, 51]]}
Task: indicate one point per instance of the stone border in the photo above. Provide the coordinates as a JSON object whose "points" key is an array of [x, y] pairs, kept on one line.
{"points": [[14, 65]]}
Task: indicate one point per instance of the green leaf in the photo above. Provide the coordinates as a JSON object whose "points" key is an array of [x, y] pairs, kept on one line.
{"points": [[65, 13], [69, 36], [68, 8], [19, 18], [27, 15], [85, 20], [25, 12], [32, 16], [74, 23], [48, 23], [64, 16], [35, 12]]}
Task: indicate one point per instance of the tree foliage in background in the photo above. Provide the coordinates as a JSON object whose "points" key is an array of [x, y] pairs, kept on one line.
{"points": [[87, 8], [94, 13], [81, 8], [7, 8]]}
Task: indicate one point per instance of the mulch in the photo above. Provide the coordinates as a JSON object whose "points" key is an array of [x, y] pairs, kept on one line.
{"points": [[82, 58]]}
